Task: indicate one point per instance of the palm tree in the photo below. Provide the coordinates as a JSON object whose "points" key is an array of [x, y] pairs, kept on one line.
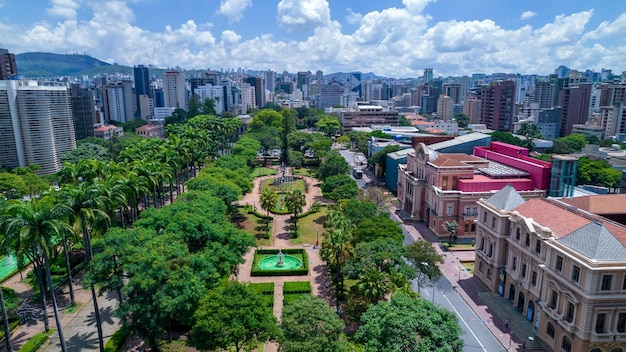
{"points": [[5, 321], [451, 227], [30, 229], [337, 249], [268, 202], [295, 202], [86, 203], [374, 284]]}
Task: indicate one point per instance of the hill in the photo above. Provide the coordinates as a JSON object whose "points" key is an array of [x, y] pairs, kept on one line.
{"points": [[32, 65]]}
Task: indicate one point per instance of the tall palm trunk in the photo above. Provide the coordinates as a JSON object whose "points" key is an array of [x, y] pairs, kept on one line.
{"points": [[69, 271], [96, 309], [54, 302], [5, 320], [42, 291]]}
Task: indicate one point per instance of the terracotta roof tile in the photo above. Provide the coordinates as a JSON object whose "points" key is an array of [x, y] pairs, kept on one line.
{"points": [[557, 219], [600, 204]]}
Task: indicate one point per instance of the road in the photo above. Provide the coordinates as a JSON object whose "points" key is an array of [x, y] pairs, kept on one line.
{"points": [[476, 335]]}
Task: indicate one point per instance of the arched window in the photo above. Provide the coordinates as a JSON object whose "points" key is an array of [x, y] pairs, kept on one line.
{"points": [[595, 350], [617, 349], [550, 330], [566, 344]]}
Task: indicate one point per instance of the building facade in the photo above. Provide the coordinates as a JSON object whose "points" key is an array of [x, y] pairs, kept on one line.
{"points": [[365, 115], [174, 89], [36, 125], [8, 67], [83, 110], [498, 105], [564, 269]]}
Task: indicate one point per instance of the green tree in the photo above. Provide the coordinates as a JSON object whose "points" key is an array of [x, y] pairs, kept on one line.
{"points": [[451, 227], [379, 226], [295, 201], [407, 323], [329, 126], [506, 137], [321, 145], [85, 151], [380, 157], [337, 248], [462, 119], [268, 201], [268, 118], [343, 140], [380, 134], [530, 131], [12, 186], [232, 315], [30, 228], [296, 159], [569, 144], [357, 210], [404, 122], [340, 187], [308, 324], [300, 141], [424, 258], [333, 164]]}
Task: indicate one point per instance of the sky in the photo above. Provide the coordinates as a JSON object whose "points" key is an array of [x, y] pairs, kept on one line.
{"points": [[392, 38]]}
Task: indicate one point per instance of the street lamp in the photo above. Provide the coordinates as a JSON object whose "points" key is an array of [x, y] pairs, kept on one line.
{"points": [[434, 283], [317, 238]]}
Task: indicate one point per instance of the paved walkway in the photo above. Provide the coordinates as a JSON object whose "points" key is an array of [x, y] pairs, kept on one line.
{"points": [[464, 283], [318, 273]]}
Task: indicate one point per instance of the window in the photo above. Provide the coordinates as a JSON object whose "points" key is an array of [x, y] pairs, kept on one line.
{"points": [[527, 240], [488, 274], [523, 270], [482, 243], [575, 273], [550, 330], [490, 253], [566, 344], [467, 210], [559, 263], [485, 216], [624, 283], [480, 266], [514, 267], [606, 282], [517, 234], [621, 322], [569, 315], [450, 208], [493, 222], [600, 322], [533, 279], [554, 299], [538, 246]]}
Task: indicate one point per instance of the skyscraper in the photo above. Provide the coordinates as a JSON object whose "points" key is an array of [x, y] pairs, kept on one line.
{"points": [[428, 75], [259, 90], [8, 66], [83, 110], [118, 101], [354, 80], [574, 100], [142, 88], [174, 89], [498, 105], [36, 125]]}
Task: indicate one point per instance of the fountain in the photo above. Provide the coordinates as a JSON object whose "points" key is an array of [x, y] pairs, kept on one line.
{"points": [[280, 259]]}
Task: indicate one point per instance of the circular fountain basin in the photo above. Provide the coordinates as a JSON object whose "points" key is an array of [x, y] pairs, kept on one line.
{"points": [[271, 263]]}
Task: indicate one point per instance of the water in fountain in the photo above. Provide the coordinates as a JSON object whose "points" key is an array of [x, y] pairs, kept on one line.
{"points": [[280, 258]]}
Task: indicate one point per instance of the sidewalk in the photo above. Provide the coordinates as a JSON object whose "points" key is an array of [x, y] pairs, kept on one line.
{"points": [[463, 282]]}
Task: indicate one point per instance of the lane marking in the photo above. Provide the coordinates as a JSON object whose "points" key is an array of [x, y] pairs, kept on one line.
{"points": [[463, 320]]}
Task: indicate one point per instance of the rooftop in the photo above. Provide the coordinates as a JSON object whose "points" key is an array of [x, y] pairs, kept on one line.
{"points": [[558, 219], [506, 199], [600, 204], [498, 170]]}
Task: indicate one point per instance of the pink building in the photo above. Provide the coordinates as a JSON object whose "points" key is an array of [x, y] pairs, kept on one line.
{"points": [[150, 131], [438, 188]]}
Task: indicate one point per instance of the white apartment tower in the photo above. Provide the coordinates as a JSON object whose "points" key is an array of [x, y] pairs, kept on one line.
{"points": [[36, 125], [174, 89], [215, 93], [247, 98]]}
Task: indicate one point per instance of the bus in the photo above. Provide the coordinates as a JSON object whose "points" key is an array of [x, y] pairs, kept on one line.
{"points": [[357, 173]]}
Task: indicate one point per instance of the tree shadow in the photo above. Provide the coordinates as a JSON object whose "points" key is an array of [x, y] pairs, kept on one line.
{"points": [[82, 342], [321, 220], [106, 316]]}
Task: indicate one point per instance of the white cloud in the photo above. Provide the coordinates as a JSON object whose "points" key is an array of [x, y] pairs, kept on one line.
{"points": [[353, 17], [234, 9], [303, 14], [527, 15], [608, 29], [397, 42], [63, 8]]}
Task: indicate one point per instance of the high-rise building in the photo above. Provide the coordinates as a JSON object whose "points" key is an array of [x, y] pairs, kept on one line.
{"points": [[269, 79], [118, 101], [498, 105], [142, 88], [215, 93], [319, 76], [36, 125], [453, 90], [83, 110], [354, 81], [331, 95], [428, 75], [174, 89], [248, 98], [574, 100], [543, 93], [445, 108], [472, 109], [8, 67], [259, 90]]}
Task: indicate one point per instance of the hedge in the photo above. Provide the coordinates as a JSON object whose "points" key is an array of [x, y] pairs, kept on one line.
{"points": [[297, 287], [250, 210], [288, 298], [116, 341], [265, 288], [315, 208], [303, 270], [36, 341]]}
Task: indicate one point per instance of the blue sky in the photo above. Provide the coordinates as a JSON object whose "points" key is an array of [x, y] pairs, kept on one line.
{"points": [[395, 38]]}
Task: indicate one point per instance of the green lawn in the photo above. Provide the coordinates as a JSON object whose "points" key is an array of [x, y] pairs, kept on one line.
{"points": [[257, 228], [304, 172], [469, 266], [287, 187], [263, 171], [309, 225]]}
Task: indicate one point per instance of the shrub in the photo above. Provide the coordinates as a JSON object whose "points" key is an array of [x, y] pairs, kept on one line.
{"points": [[297, 287], [116, 341], [36, 341]]}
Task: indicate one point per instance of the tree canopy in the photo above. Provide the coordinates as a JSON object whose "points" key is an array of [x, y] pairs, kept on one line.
{"points": [[329, 126], [333, 164], [407, 323]]}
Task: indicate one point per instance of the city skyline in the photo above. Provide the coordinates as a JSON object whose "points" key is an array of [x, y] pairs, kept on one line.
{"points": [[393, 38]]}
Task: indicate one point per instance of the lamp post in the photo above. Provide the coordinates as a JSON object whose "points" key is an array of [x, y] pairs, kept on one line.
{"points": [[317, 238]]}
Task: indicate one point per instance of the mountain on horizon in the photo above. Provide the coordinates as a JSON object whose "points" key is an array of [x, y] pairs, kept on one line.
{"points": [[48, 65]]}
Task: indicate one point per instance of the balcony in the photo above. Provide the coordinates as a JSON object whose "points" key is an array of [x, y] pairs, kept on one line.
{"points": [[411, 178]]}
